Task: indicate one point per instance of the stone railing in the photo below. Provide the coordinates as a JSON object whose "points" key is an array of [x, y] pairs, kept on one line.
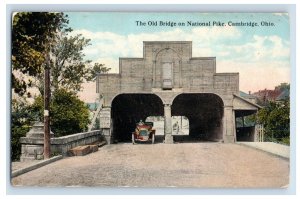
{"points": [[33, 147]]}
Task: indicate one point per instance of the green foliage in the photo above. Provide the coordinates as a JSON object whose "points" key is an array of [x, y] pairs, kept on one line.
{"points": [[239, 122], [21, 117], [68, 114], [246, 121], [17, 133], [249, 120], [276, 120], [283, 86], [97, 124], [32, 35], [285, 140], [69, 69], [97, 69], [38, 108], [55, 153]]}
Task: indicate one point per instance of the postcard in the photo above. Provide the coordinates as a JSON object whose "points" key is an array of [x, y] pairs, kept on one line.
{"points": [[150, 99]]}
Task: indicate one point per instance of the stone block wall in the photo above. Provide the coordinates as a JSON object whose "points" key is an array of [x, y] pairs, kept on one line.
{"points": [[33, 148], [190, 74]]}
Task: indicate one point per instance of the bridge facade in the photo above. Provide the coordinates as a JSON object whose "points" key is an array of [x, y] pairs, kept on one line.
{"points": [[167, 81]]}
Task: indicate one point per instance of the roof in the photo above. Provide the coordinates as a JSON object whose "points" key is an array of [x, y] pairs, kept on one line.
{"points": [[273, 95], [268, 94], [247, 96], [247, 101]]}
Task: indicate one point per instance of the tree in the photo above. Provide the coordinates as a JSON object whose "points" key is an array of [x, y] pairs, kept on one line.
{"points": [[68, 114], [32, 34], [69, 69], [283, 86], [97, 69], [276, 120]]}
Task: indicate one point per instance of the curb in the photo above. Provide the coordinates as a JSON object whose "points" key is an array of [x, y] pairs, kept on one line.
{"points": [[266, 151], [35, 166]]}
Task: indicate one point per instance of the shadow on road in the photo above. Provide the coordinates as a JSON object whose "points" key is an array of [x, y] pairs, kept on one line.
{"points": [[177, 139]]}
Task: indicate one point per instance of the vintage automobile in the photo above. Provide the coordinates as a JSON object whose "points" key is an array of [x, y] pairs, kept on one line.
{"points": [[143, 132]]}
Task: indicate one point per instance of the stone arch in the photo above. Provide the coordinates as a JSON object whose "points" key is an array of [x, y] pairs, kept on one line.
{"points": [[205, 112], [128, 108], [169, 57], [171, 100], [167, 48]]}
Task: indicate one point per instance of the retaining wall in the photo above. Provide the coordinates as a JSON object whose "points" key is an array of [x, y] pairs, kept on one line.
{"points": [[33, 148]]}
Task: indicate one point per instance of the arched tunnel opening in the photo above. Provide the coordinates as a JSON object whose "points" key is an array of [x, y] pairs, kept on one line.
{"points": [[128, 109], [204, 111]]}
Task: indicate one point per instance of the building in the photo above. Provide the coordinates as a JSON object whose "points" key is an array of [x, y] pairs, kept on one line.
{"points": [[248, 96], [167, 81], [280, 93]]}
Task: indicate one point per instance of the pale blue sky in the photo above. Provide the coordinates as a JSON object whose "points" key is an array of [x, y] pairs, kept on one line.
{"points": [[260, 54], [124, 23]]}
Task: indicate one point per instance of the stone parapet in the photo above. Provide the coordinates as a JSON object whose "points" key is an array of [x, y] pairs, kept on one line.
{"points": [[32, 148]]}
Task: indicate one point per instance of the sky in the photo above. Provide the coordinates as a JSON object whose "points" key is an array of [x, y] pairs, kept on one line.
{"points": [[260, 54]]}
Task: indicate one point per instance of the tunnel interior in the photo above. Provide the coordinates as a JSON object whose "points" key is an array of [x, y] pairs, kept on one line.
{"points": [[245, 125], [205, 113], [128, 109]]}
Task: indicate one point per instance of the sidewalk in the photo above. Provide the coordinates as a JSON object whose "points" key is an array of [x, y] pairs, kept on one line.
{"points": [[21, 168], [270, 147], [21, 165]]}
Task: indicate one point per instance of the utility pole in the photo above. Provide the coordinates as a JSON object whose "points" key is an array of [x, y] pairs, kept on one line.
{"points": [[46, 108]]}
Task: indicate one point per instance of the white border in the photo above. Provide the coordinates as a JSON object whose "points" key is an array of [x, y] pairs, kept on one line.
{"points": [[5, 103]]}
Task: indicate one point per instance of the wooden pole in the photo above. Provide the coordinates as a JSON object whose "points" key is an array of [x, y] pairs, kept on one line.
{"points": [[46, 109]]}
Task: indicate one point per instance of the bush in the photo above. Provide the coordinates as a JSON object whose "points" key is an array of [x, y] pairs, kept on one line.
{"points": [[286, 140], [21, 118], [276, 120], [17, 133], [68, 114]]}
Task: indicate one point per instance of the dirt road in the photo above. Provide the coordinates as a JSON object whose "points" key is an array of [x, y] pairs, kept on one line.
{"points": [[164, 165]]}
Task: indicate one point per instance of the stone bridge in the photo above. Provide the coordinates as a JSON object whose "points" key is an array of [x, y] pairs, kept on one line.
{"points": [[167, 81]]}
